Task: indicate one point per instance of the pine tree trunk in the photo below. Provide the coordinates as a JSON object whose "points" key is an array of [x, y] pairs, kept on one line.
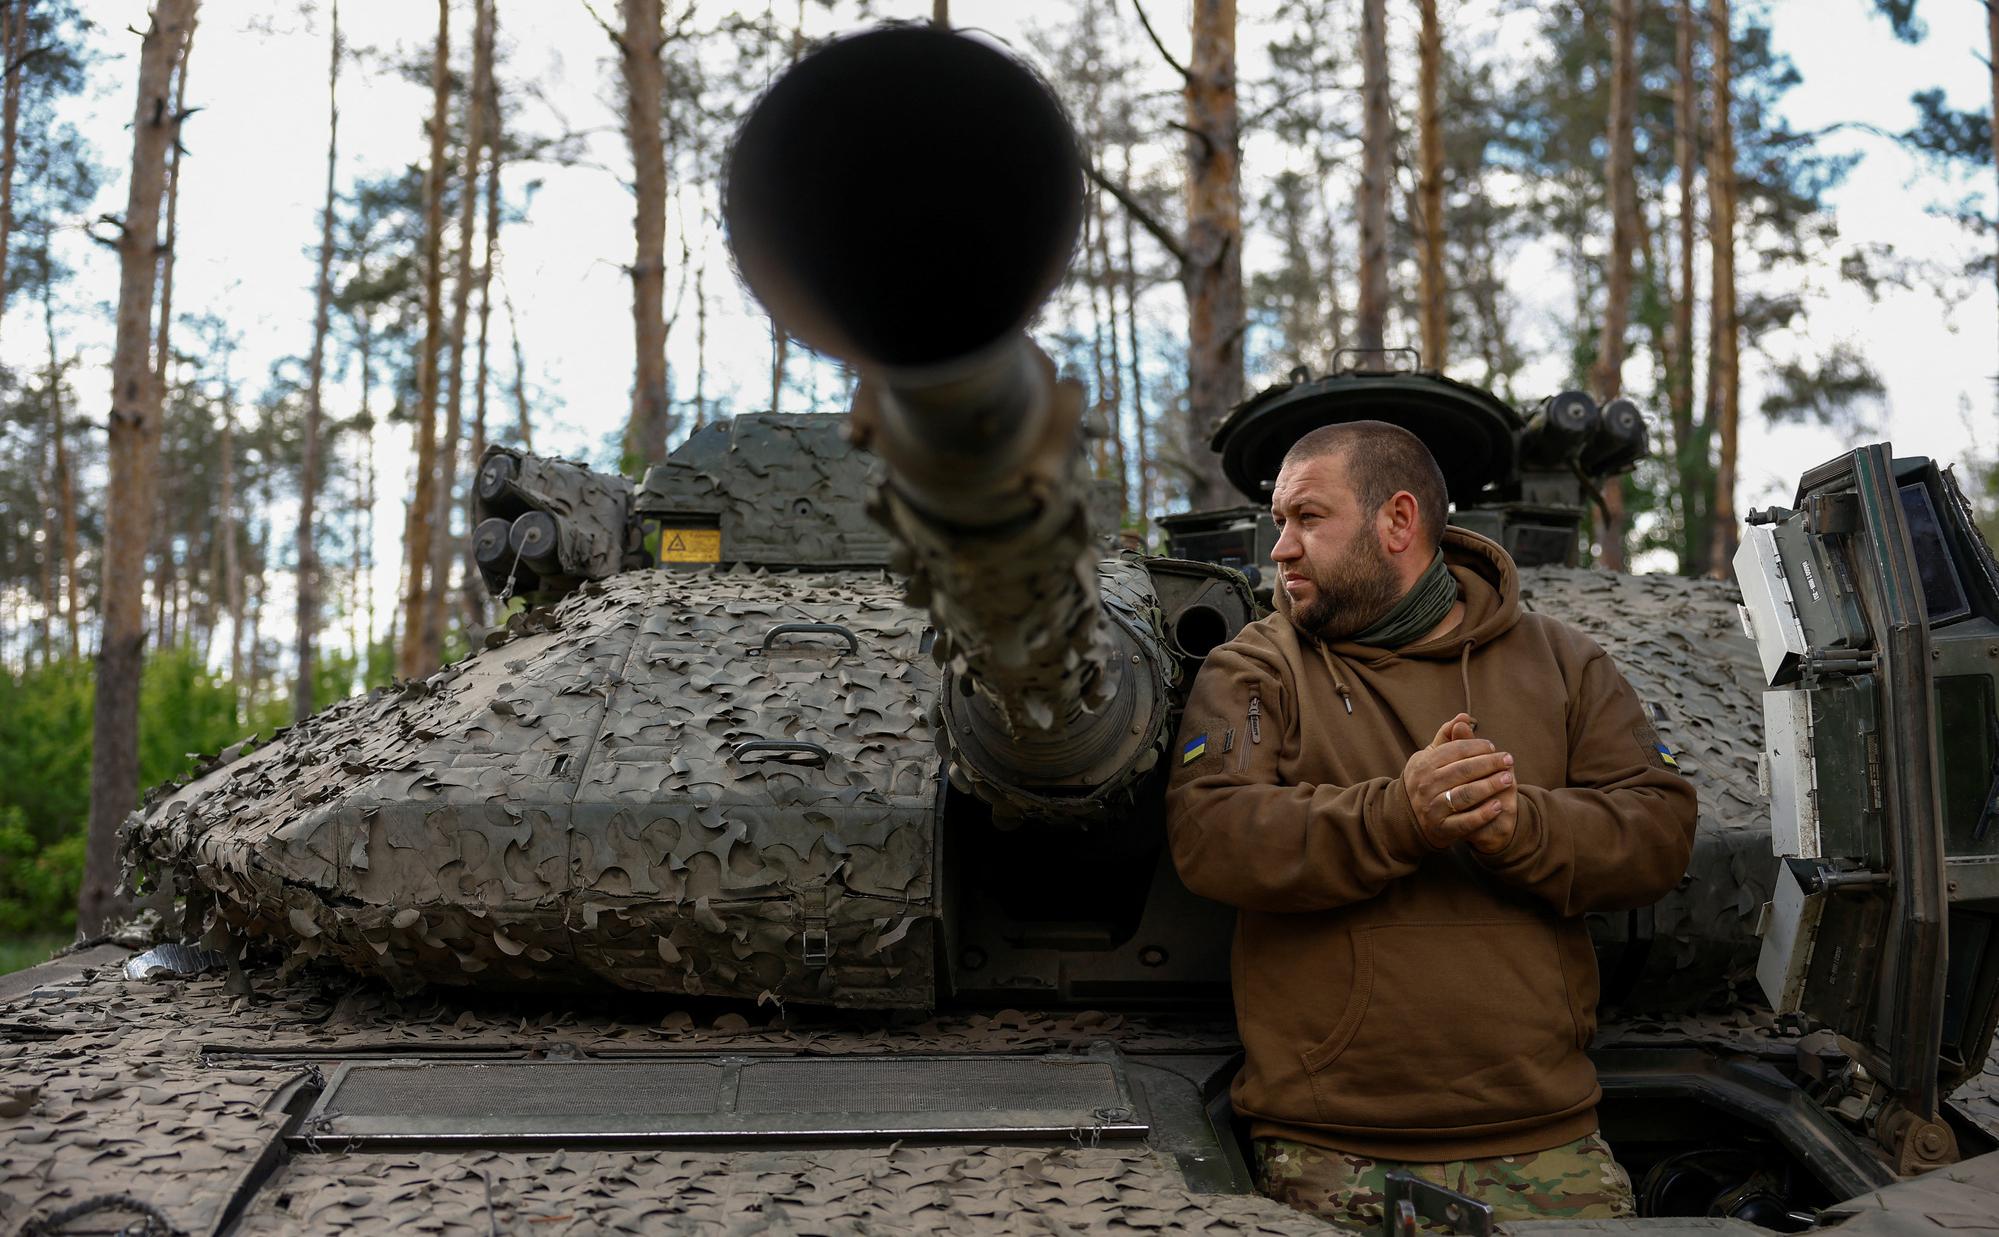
{"points": [[940, 13], [65, 481], [416, 657], [366, 348], [1690, 463], [1101, 414], [1607, 375], [1112, 392], [490, 101], [473, 591], [1214, 244], [1726, 330], [523, 424], [1992, 62], [1377, 152], [167, 494], [1336, 318], [253, 688], [645, 87], [444, 543], [13, 43], [232, 564], [322, 323], [1139, 432], [1436, 295], [134, 451], [700, 345], [45, 550]]}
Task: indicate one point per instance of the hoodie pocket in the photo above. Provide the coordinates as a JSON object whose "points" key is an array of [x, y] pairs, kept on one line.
{"points": [[1450, 1025]]}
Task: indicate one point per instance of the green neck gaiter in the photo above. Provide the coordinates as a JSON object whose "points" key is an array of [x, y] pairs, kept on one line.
{"points": [[1421, 608]]}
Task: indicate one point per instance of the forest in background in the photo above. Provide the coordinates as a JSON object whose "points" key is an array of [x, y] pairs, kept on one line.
{"points": [[195, 560]]}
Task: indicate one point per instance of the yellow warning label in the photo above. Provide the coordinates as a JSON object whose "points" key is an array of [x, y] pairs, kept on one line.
{"points": [[690, 545]]}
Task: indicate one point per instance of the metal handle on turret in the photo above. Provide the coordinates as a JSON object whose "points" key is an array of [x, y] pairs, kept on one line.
{"points": [[808, 629], [818, 756]]}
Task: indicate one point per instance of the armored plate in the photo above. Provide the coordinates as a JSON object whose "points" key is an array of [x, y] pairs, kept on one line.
{"points": [[777, 489], [710, 782], [1680, 644]]}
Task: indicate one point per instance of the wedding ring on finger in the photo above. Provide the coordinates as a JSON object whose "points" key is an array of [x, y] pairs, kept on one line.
{"points": [[1449, 802]]}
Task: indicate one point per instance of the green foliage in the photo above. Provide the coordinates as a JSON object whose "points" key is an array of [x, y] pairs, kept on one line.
{"points": [[37, 882], [185, 711], [1901, 15], [1946, 133], [20, 953], [1829, 392]]}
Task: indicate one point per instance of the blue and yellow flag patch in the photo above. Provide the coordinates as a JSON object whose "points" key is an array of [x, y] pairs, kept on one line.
{"points": [[1195, 749], [1654, 747]]}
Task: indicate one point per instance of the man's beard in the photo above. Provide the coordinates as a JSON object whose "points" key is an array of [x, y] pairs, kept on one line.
{"points": [[1350, 593]]}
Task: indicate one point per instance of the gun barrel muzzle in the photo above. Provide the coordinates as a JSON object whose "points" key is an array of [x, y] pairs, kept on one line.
{"points": [[905, 199]]}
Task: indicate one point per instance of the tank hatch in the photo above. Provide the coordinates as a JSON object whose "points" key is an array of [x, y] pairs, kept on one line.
{"points": [[987, 1096], [1470, 431], [1874, 606]]}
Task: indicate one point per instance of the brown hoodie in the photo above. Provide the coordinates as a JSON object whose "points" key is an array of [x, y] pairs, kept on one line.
{"points": [[1396, 1000]]}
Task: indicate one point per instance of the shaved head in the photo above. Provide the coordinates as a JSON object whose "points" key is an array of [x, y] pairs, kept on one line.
{"points": [[1379, 461]]}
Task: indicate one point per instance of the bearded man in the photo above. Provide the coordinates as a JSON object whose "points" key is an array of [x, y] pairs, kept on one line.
{"points": [[1412, 790]]}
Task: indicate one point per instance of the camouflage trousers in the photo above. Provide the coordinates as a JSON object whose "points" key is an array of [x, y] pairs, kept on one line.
{"points": [[1578, 1180]]}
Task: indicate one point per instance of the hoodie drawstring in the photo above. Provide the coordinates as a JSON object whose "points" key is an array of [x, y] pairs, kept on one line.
{"points": [[1464, 677], [1339, 684]]}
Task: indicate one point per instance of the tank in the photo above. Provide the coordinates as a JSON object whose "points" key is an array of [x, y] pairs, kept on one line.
{"points": [[795, 859]]}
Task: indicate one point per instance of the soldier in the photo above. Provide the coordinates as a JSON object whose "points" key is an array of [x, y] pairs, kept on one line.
{"points": [[1412, 790]]}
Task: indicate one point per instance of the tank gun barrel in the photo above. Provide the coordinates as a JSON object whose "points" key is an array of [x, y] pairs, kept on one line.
{"points": [[905, 200]]}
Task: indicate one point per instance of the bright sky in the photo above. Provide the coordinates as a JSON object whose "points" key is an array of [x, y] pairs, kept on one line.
{"points": [[254, 177]]}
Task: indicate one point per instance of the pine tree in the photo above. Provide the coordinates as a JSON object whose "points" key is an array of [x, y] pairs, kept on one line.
{"points": [[417, 656], [134, 446], [1607, 377], [640, 47], [322, 317]]}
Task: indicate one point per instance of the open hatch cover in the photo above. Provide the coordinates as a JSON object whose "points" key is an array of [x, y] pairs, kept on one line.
{"points": [[1875, 610]]}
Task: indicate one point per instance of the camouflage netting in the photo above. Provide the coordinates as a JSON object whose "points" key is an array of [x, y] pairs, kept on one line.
{"points": [[1680, 644], [578, 803], [1004, 1190], [782, 490], [169, 1091]]}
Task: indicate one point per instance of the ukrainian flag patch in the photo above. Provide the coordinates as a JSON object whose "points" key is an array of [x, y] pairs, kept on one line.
{"points": [[1654, 747], [1195, 749]]}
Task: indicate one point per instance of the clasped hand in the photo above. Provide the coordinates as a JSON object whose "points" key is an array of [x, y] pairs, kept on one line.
{"points": [[1462, 787]]}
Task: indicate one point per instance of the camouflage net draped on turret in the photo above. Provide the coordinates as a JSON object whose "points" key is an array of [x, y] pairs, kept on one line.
{"points": [[629, 789]]}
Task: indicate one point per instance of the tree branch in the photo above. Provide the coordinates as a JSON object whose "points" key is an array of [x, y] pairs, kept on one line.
{"points": [[1139, 8], [603, 25], [32, 53], [1157, 230], [1207, 143]]}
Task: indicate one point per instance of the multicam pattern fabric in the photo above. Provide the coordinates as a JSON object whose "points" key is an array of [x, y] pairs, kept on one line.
{"points": [[1575, 1181]]}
